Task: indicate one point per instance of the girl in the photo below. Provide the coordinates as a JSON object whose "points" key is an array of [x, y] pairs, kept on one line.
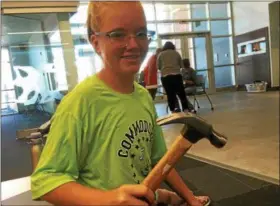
{"points": [[104, 138]]}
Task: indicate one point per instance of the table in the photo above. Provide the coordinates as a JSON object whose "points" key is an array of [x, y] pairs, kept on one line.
{"points": [[17, 192]]}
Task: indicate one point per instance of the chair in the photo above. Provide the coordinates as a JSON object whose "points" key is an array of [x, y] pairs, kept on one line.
{"points": [[31, 108], [36, 138], [198, 89], [38, 105]]}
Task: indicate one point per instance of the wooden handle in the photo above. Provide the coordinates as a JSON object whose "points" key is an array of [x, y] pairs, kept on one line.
{"points": [[35, 155], [158, 174]]}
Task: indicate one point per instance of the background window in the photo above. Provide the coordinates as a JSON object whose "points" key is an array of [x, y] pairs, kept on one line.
{"points": [[220, 27], [222, 46], [219, 10], [222, 51], [149, 12], [224, 76], [198, 11], [151, 27], [200, 54], [200, 26], [173, 27], [172, 11]]}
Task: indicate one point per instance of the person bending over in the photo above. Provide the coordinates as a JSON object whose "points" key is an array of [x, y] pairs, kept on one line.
{"points": [[169, 62]]}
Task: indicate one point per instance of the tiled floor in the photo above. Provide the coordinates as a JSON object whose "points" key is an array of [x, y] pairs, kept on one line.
{"points": [[251, 122]]}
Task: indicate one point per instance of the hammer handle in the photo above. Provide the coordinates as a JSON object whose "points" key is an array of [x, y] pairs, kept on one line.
{"points": [[158, 174]]}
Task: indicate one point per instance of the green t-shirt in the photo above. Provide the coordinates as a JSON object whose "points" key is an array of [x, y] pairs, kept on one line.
{"points": [[99, 138]]}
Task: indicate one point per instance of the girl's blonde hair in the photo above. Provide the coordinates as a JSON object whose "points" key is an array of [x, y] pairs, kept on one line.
{"points": [[96, 10]]}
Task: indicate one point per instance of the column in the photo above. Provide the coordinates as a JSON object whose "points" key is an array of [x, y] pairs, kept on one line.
{"points": [[68, 49], [274, 31]]}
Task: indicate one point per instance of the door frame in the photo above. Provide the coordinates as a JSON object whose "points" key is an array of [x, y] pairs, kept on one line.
{"points": [[209, 52]]}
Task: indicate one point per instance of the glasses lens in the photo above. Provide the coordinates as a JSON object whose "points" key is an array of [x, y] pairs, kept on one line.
{"points": [[116, 35], [121, 38], [118, 38], [142, 35]]}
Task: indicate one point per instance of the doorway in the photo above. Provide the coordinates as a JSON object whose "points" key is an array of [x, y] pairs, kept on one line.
{"points": [[197, 47]]}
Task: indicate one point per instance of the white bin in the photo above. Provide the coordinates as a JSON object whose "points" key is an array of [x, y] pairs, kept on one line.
{"points": [[256, 87]]}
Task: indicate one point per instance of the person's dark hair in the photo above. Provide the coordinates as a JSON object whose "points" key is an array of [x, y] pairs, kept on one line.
{"points": [[186, 63], [168, 45]]}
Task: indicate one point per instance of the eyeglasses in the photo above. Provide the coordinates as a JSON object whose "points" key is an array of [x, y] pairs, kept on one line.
{"points": [[121, 38]]}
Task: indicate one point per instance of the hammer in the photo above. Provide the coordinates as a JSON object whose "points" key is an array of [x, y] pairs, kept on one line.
{"points": [[195, 128]]}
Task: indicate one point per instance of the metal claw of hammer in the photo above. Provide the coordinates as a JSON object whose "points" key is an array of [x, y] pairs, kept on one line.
{"points": [[195, 129]]}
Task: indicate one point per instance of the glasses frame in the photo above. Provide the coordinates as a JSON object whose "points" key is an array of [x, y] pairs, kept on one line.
{"points": [[127, 36]]}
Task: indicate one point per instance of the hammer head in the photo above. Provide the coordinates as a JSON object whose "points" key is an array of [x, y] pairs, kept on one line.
{"points": [[195, 128], [175, 118]]}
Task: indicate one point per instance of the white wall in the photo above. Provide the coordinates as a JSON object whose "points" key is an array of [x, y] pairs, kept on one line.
{"points": [[250, 16]]}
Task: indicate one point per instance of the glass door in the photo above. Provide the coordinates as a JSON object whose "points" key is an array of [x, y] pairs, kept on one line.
{"points": [[197, 47], [200, 62], [39, 46]]}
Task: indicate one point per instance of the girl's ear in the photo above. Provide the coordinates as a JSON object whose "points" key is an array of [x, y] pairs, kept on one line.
{"points": [[95, 43]]}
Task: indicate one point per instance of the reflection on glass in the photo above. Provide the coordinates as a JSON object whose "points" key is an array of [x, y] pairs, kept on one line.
{"points": [[221, 27], [222, 51], [36, 67], [198, 11], [200, 26], [224, 76], [172, 11], [219, 10]]}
